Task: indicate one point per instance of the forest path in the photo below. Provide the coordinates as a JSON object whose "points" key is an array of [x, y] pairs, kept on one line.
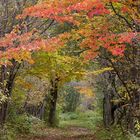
{"points": [[69, 133]]}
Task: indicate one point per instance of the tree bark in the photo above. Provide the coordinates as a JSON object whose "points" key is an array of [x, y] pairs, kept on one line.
{"points": [[108, 115], [53, 101]]}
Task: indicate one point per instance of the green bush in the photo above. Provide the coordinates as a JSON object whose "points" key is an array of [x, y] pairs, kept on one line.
{"points": [[21, 123], [112, 133], [7, 133]]}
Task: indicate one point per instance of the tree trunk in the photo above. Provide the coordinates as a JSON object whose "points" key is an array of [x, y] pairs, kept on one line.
{"points": [[107, 110], [3, 112], [3, 106], [6, 89], [53, 101]]}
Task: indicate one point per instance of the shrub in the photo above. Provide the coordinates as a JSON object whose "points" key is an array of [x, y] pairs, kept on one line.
{"points": [[21, 123], [114, 132], [7, 133]]}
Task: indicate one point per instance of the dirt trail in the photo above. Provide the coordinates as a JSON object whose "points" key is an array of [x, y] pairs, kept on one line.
{"points": [[70, 133]]}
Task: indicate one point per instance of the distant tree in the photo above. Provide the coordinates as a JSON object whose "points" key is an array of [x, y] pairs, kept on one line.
{"points": [[71, 99]]}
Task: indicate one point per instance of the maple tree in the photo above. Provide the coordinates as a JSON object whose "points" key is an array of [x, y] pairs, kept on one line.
{"points": [[96, 35], [57, 70], [63, 11]]}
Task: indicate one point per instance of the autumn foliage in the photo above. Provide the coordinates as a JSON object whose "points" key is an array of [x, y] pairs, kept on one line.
{"points": [[97, 34], [14, 45], [21, 46]]}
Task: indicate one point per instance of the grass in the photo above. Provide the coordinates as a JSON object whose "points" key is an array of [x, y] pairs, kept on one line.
{"points": [[88, 119], [93, 121]]}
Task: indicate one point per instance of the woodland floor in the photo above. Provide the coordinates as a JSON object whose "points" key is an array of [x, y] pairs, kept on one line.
{"points": [[69, 133]]}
